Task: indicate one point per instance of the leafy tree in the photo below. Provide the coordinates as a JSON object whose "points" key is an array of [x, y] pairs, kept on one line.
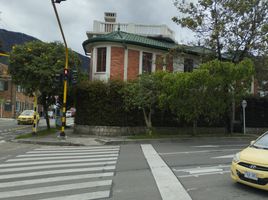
{"points": [[237, 27], [202, 93], [188, 96], [34, 66], [231, 82], [144, 94], [261, 67]]}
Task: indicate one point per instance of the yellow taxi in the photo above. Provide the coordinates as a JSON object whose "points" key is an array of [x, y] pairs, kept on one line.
{"points": [[27, 117], [250, 166]]}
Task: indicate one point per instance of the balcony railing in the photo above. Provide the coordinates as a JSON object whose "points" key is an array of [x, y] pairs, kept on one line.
{"points": [[141, 29]]}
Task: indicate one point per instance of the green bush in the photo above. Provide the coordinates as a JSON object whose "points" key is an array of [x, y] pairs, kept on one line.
{"points": [[101, 104]]}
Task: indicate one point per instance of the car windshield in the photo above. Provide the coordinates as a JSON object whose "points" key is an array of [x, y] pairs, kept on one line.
{"points": [[27, 112], [262, 142]]}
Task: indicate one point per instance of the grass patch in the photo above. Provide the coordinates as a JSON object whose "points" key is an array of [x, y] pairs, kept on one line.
{"points": [[39, 133]]}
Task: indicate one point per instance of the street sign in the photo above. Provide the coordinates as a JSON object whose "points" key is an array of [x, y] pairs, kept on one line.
{"points": [[244, 103]]}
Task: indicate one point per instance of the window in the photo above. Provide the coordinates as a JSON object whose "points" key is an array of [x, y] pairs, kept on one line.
{"points": [[19, 88], [8, 106], [101, 59], [17, 106], [3, 85], [147, 62], [188, 65]]}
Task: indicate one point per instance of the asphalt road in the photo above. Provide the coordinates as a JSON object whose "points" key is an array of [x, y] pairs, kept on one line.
{"points": [[122, 172], [10, 129], [204, 169]]}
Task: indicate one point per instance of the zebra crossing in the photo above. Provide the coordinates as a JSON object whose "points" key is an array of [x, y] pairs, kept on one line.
{"points": [[55, 173]]}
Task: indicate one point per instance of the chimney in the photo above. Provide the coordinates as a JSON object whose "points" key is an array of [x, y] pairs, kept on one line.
{"points": [[110, 17]]}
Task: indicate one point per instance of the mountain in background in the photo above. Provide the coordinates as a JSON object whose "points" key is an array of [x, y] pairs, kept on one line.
{"points": [[9, 39]]}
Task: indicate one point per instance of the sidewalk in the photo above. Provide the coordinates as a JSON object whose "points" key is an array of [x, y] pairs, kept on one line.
{"points": [[70, 140], [91, 140]]}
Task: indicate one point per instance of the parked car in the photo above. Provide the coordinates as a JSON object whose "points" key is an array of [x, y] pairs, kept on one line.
{"points": [[250, 166], [27, 117], [69, 113]]}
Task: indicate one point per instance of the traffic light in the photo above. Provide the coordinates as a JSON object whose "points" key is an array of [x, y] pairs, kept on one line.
{"points": [[74, 77], [65, 74]]}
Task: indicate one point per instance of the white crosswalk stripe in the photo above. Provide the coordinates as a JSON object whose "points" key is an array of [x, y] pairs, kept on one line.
{"points": [[59, 174], [61, 157]]}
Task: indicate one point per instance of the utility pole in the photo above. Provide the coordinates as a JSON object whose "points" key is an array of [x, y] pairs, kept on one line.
{"points": [[66, 72]]}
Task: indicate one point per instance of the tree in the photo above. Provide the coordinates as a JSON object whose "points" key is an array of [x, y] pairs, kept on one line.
{"points": [[188, 96], [34, 66], [261, 67], [231, 82], [201, 93], [235, 27], [143, 94]]}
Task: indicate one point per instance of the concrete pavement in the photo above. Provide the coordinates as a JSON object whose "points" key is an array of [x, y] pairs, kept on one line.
{"points": [[89, 140]]}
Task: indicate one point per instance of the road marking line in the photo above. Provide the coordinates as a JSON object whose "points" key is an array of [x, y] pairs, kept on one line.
{"points": [[73, 151], [227, 156], [207, 146], [84, 196], [55, 188], [67, 154], [61, 171], [208, 170], [60, 157], [197, 175], [169, 186], [204, 151], [76, 148], [55, 179], [17, 169], [54, 161], [192, 169]]}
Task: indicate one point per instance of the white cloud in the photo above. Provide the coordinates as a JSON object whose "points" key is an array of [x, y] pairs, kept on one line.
{"points": [[36, 17]]}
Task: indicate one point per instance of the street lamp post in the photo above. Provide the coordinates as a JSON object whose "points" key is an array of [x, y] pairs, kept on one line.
{"points": [[63, 119], [244, 105]]}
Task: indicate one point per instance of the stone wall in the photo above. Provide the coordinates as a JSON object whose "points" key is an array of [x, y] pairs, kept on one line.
{"points": [[108, 130], [257, 131], [127, 131]]}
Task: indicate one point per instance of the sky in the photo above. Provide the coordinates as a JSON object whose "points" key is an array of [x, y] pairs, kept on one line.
{"points": [[37, 17]]}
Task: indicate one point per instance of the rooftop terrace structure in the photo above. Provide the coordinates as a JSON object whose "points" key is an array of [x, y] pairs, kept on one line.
{"points": [[109, 25]]}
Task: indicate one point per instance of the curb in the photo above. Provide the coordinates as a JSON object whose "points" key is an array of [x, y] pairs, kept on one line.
{"points": [[129, 141], [170, 140], [63, 143]]}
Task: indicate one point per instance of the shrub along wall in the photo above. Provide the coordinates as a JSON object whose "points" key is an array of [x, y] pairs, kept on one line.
{"points": [[101, 104], [256, 112]]}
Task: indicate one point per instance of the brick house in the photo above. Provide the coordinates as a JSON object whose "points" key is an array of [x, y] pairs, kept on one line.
{"points": [[12, 98], [123, 51]]}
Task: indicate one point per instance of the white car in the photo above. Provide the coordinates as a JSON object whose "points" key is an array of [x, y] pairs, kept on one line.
{"points": [[69, 113]]}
